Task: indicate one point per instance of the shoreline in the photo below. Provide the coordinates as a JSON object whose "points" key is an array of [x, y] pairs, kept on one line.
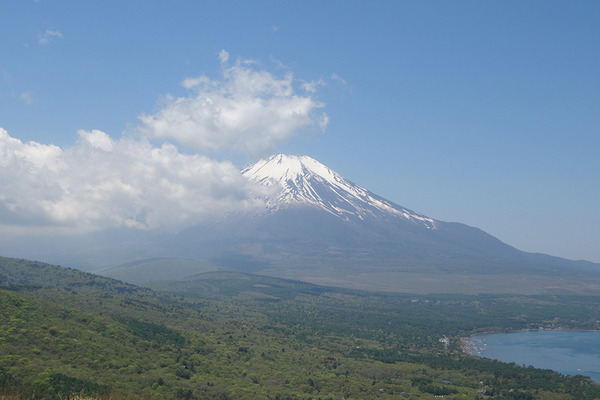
{"points": [[475, 345], [466, 344]]}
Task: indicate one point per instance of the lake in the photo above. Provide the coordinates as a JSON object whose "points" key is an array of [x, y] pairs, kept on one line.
{"points": [[567, 352]]}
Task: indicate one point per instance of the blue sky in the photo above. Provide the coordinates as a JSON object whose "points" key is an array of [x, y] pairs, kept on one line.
{"points": [[486, 113]]}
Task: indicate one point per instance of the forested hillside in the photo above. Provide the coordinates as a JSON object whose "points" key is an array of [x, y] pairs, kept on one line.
{"points": [[225, 335]]}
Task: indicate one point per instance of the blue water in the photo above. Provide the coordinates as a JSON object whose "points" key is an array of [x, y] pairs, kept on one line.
{"points": [[567, 352]]}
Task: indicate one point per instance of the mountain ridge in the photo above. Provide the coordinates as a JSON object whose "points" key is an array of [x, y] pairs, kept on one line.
{"points": [[321, 228], [305, 181], [318, 227]]}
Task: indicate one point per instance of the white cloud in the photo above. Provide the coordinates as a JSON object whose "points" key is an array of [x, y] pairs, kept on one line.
{"points": [[27, 98], [312, 86], [190, 83], [100, 182], [97, 139], [249, 110], [339, 79], [48, 36], [323, 121], [224, 56]]}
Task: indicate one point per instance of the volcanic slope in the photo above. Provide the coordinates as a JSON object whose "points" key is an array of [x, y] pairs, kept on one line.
{"points": [[305, 182], [321, 228]]}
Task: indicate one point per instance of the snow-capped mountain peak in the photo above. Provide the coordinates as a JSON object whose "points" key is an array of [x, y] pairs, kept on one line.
{"points": [[303, 181]]}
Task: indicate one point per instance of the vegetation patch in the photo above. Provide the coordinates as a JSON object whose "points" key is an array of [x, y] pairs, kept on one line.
{"points": [[154, 332], [69, 333]]}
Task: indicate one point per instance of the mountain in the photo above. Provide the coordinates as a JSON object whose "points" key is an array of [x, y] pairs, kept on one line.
{"points": [[321, 228], [142, 272], [345, 213], [304, 182]]}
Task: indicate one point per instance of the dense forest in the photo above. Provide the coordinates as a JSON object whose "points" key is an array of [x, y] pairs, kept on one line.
{"points": [[228, 335]]}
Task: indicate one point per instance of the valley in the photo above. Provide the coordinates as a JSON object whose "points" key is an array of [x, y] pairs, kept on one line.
{"points": [[226, 334]]}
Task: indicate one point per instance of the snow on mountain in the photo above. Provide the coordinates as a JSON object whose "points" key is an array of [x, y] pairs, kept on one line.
{"points": [[306, 182]]}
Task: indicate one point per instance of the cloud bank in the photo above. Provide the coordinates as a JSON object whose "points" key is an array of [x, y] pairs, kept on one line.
{"points": [[144, 181], [248, 111], [101, 183]]}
